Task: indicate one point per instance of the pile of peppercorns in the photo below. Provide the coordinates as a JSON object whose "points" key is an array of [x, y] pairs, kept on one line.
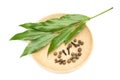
{"points": [[74, 56]]}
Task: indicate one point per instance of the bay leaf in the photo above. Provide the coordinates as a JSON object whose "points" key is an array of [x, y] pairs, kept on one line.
{"points": [[29, 35], [37, 44], [76, 31], [28, 25], [58, 40], [57, 23]]}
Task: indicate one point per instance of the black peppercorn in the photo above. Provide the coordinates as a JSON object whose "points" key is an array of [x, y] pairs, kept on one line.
{"points": [[56, 60], [75, 40], [64, 62], [79, 54], [77, 57], [78, 45], [68, 61], [59, 56], [72, 54], [82, 43], [55, 53], [60, 52], [79, 41], [79, 49], [60, 63], [69, 45], [73, 60]]}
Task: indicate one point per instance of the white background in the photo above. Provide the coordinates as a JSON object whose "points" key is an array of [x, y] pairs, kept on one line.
{"points": [[104, 62]]}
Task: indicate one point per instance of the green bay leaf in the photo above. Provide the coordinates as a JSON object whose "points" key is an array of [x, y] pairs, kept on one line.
{"points": [[28, 25], [57, 23], [37, 44], [58, 40], [76, 31], [29, 35]]}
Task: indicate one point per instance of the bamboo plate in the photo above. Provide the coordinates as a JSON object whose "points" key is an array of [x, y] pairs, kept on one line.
{"points": [[48, 62]]}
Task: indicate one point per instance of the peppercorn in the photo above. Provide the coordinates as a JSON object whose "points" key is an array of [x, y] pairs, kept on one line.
{"points": [[73, 60], [79, 49], [75, 54], [82, 43], [68, 61], [69, 45], [78, 45], [59, 56], [72, 54], [75, 40], [77, 57], [60, 52], [60, 63], [56, 60], [79, 41], [64, 62], [60, 60], [55, 53], [79, 54]]}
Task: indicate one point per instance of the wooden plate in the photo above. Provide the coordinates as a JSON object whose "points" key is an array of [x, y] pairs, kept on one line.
{"points": [[48, 62]]}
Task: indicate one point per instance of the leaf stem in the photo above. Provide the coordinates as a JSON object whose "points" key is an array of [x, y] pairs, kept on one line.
{"points": [[102, 12]]}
